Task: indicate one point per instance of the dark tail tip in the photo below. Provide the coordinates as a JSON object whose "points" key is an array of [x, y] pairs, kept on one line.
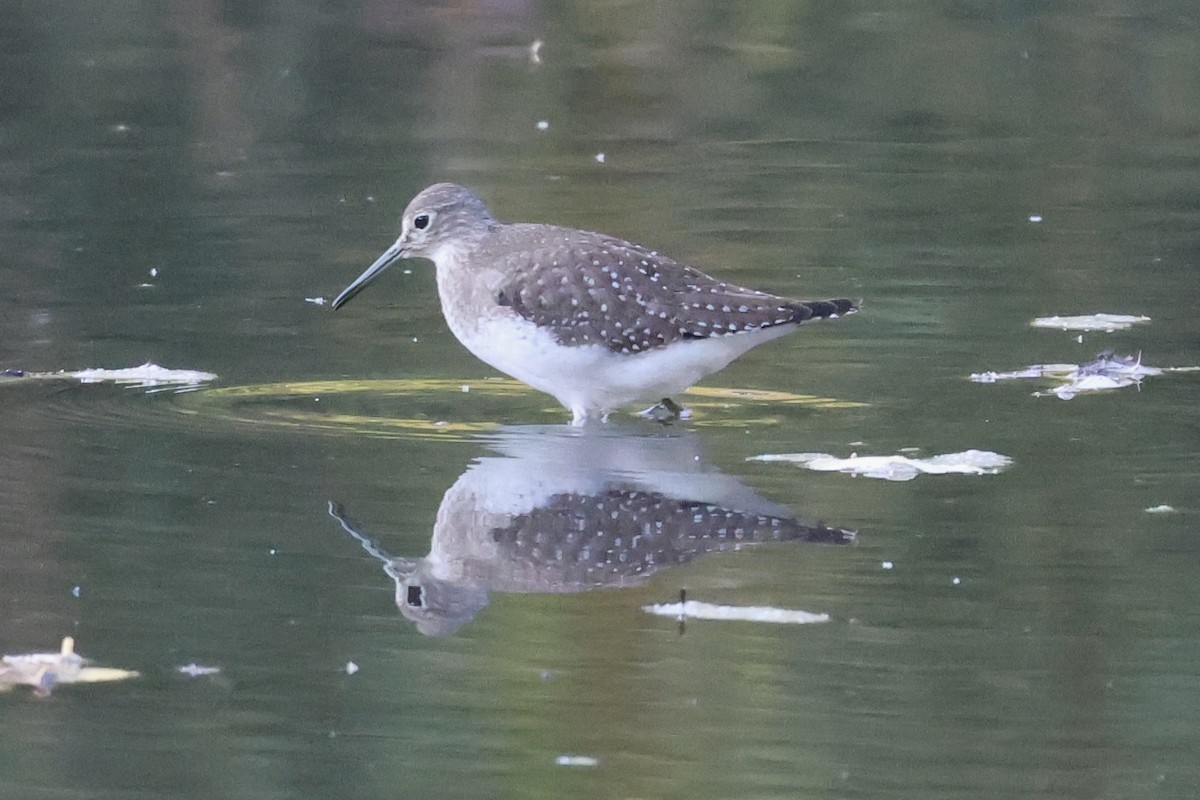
{"points": [[831, 309], [822, 534]]}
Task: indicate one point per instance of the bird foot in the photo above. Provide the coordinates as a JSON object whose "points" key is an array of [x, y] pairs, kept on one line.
{"points": [[666, 411]]}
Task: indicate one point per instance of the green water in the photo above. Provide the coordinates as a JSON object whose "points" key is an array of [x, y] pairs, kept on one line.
{"points": [[253, 157]]}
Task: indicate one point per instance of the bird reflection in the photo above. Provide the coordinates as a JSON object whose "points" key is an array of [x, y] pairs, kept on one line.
{"points": [[565, 510]]}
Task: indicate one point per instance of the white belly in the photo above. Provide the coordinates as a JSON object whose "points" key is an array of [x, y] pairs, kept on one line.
{"points": [[592, 380]]}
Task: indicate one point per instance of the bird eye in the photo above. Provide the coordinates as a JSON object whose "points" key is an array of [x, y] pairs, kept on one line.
{"points": [[421, 221]]}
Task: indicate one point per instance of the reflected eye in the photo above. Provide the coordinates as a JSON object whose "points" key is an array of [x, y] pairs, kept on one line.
{"points": [[421, 221]]}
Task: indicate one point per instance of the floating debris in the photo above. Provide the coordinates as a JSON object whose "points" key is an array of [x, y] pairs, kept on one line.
{"points": [[535, 52], [576, 761], [543, 125], [44, 671], [898, 467], [696, 610], [147, 376], [886, 565], [316, 301], [1091, 322], [351, 668], [1161, 509], [1107, 371], [194, 670]]}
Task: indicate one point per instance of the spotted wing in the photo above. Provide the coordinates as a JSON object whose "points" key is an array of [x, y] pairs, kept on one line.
{"points": [[587, 288]]}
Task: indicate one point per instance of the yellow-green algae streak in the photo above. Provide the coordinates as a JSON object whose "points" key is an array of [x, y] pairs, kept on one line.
{"points": [[274, 405]]}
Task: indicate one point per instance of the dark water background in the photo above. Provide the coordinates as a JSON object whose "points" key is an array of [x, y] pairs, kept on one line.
{"points": [[258, 154]]}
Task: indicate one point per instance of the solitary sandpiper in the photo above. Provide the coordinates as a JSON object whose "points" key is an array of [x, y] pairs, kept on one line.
{"points": [[595, 321]]}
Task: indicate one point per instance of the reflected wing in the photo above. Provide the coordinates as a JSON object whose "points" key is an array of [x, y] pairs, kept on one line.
{"points": [[602, 539]]}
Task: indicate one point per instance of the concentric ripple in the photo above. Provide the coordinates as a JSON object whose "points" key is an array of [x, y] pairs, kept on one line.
{"points": [[394, 409]]}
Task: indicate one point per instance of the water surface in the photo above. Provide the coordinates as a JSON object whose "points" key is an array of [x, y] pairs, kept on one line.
{"points": [[963, 168]]}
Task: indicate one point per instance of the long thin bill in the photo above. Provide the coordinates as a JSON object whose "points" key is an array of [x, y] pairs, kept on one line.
{"points": [[390, 256]]}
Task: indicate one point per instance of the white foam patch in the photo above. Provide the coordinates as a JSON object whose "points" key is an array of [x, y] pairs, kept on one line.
{"points": [[1091, 322], [897, 467], [194, 670], [146, 376], [695, 610], [1105, 373]]}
